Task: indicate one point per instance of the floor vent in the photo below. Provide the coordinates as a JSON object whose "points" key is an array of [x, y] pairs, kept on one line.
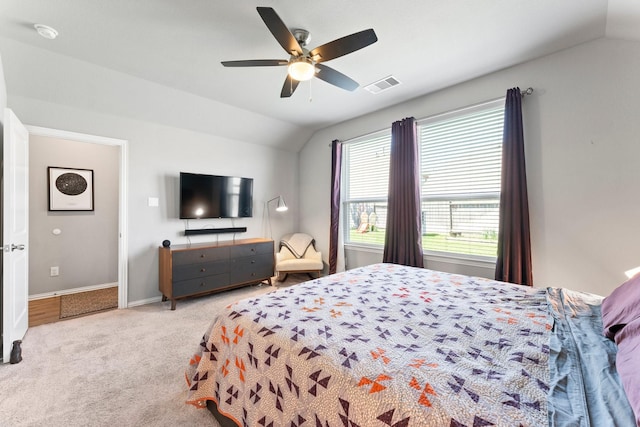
{"points": [[382, 85]]}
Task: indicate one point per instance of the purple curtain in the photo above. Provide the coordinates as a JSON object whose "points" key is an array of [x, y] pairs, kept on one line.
{"points": [[336, 169], [514, 245], [403, 240]]}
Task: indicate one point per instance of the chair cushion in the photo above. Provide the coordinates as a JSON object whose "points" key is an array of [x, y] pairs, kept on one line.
{"points": [[302, 264]]}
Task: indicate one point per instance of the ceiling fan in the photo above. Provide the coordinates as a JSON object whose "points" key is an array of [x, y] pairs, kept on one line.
{"points": [[304, 64]]}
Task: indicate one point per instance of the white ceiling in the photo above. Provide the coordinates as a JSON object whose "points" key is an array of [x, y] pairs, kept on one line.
{"points": [[426, 44]]}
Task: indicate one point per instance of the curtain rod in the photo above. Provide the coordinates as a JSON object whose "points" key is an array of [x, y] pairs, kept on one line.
{"points": [[523, 93], [527, 91]]}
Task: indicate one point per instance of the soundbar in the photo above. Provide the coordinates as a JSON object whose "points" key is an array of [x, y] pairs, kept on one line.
{"points": [[215, 230]]}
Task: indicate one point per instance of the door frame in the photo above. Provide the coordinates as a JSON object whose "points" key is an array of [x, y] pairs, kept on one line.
{"points": [[123, 284]]}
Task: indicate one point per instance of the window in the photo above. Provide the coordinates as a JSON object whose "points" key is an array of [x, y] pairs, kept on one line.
{"points": [[460, 162], [366, 175]]}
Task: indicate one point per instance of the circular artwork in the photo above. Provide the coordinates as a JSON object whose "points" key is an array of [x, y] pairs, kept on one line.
{"points": [[71, 184]]}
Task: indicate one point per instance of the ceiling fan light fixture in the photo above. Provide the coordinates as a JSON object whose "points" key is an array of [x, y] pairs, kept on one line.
{"points": [[301, 70]]}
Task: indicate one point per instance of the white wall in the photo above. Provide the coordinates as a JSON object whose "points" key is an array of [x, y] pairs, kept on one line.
{"points": [[36, 73], [3, 104], [582, 137], [86, 250], [3, 90]]}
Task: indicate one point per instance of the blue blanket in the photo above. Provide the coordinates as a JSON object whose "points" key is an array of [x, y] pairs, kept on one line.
{"points": [[585, 389]]}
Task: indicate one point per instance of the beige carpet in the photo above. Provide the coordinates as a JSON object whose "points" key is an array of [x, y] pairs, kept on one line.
{"points": [[115, 368]]}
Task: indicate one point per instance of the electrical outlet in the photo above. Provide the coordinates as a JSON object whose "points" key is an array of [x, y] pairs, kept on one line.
{"points": [[55, 271]]}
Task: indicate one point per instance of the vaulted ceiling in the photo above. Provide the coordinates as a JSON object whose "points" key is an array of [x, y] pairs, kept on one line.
{"points": [[425, 44]]}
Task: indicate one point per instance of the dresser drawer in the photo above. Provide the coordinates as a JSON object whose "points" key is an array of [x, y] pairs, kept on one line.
{"points": [[192, 271], [251, 268], [195, 256], [203, 284], [251, 249]]}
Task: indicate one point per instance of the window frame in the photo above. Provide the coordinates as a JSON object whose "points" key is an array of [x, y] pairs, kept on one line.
{"points": [[346, 202]]}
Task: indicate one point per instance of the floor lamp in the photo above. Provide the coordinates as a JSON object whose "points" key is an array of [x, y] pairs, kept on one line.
{"points": [[281, 207]]}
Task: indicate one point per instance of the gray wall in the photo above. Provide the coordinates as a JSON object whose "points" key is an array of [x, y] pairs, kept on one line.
{"points": [[582, 137], [157, 154], [86, 250], [167, 132]]}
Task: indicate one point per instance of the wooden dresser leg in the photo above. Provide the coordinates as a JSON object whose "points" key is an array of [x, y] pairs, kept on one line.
{"points": [[173, 304]]}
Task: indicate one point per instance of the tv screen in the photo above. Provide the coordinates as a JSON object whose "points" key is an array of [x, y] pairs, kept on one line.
{"points": [[214, 196]]}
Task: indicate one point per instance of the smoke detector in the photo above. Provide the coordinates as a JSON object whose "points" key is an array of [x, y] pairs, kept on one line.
{"points": [[46, 31]]}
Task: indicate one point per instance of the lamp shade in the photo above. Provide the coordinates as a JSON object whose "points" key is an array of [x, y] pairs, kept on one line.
{"points": [[282, 206]]}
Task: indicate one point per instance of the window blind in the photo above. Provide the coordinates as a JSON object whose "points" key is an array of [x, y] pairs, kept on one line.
{"points": [[367, 169], [462, 155], [460, 169]]}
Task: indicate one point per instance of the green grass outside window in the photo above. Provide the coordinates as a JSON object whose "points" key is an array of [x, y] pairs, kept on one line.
{"points": [[437, 242]]}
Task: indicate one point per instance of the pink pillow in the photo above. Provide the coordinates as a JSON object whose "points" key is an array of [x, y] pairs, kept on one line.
{"points": [[628, 363], [621, 307]]}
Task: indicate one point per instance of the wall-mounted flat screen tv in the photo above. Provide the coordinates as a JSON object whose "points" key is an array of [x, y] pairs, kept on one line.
{"points": [[215, 196]]}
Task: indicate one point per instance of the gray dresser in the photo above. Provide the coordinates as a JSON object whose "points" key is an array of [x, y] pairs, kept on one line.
{"points": [[198, 269]]}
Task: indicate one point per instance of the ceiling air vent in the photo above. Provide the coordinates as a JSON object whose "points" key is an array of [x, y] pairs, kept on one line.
{"points": [[382, 85]]}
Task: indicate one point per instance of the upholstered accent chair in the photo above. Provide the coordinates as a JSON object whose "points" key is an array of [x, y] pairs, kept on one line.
{"points": [[297, 254]]}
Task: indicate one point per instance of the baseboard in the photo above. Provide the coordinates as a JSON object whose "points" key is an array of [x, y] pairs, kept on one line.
{"points": [[144, 302]]}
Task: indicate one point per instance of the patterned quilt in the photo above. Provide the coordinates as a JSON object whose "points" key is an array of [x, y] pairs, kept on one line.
{"points": [[383, 345]]}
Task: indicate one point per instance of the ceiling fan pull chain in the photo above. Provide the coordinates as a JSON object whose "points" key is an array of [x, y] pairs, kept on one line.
{"points": [[310, 92]]}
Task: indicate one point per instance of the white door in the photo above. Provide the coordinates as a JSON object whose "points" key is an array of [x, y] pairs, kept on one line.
{"points": [[15, 232]]}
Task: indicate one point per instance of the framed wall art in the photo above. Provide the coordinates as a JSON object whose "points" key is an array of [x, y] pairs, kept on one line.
{"points": [[70, 189]]}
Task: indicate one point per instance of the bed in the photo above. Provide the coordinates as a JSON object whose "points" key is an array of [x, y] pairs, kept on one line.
{"points": [[390, 345]]}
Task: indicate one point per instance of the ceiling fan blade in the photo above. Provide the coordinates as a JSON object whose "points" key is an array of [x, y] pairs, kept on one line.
{"points": [[280, 31], [255, 63], [335, 78], [344, 45], [290, 86]]}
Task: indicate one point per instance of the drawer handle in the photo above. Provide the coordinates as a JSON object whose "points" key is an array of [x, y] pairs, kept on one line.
{"points": [[201, 255], [202, 284], [202, 270], [253, 249], [253, 261]]}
